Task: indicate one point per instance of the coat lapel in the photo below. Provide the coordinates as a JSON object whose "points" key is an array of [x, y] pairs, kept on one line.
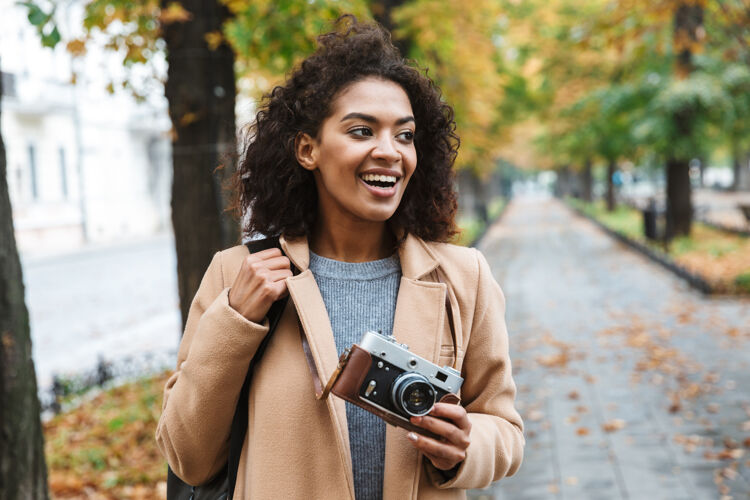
{"points": [[316, 327], [419, 322]]}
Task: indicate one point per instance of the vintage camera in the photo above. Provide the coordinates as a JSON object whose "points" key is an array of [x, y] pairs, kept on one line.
{"points": [[383, 377]]}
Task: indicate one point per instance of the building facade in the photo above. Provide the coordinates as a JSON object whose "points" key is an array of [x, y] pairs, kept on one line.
{"points": [[84, 165]]}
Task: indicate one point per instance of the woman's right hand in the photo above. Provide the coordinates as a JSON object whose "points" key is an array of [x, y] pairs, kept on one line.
{"points": [[260, 283]]}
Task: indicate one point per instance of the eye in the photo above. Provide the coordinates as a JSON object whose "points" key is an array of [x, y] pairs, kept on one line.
{"points": [[361, 132], [406, 136]]}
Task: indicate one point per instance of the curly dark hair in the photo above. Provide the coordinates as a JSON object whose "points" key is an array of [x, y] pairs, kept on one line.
{"points": [[280, 196]]}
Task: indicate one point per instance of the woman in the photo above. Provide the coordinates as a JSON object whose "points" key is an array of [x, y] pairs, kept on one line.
{"points": [[350, 162]]}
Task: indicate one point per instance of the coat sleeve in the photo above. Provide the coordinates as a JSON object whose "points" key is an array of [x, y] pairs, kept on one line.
{"points": [[488, 394], [201, 396]]}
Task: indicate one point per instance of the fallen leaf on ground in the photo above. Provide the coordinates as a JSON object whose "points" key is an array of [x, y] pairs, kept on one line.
{"points": [[613, 425], [535, 415]]}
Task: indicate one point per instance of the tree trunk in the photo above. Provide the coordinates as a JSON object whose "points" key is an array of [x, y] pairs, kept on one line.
{"points": [[741, 170], [736, 170], [744, 173], [688, 31], [23, 472], [563, 181], [587, 181], [201, 92], [679, 202], [481, 201], [382, 12], [611, 169]]}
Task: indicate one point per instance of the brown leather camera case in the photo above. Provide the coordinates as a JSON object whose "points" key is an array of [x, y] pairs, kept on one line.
{"points": [[350, 379]]}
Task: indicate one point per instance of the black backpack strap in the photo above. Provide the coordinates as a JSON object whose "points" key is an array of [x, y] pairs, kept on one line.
{"points": [[240, 420]]}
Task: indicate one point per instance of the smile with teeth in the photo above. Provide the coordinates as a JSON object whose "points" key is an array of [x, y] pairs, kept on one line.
{"points": [[380, 181]]}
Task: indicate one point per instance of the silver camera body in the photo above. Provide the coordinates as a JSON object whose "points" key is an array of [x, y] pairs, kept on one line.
{"points": [[402, 383]]}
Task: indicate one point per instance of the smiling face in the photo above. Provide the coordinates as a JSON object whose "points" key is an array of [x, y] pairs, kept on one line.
{"points": [[364, 154]]}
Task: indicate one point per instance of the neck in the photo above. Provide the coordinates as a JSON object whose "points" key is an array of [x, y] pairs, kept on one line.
{"points": [[352, 242]]}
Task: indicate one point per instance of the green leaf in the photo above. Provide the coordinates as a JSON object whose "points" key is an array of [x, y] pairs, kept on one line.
{"points": [[36, 16], [51, 39]]}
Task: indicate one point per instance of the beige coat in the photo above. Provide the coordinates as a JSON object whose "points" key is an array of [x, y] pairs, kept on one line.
{"points": [[297, 447]]}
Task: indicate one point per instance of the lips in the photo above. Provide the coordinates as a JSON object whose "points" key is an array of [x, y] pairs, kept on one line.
{"points": [[381, 182]]}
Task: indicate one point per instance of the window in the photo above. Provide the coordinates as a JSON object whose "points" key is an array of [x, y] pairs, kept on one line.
{"points": [[32, 172], [9, 84], [63, 174]]}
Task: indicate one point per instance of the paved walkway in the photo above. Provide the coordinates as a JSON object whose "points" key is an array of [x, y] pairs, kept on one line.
{"points": [[722, 206], [631, 384], [114, 302]]}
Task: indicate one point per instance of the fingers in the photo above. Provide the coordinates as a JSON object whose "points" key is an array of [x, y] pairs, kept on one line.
{"points": [[279, 275], [452, 424], [281, 262], [260, 283], [455, 413], [267, 253], [444, 456], [447, 430], [260, 260]]}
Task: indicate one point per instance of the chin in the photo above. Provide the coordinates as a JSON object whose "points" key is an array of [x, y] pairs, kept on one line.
{"points": [[380, 215]]}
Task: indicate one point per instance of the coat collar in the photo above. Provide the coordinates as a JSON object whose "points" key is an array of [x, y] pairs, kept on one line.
{"points": [[417, 259]]}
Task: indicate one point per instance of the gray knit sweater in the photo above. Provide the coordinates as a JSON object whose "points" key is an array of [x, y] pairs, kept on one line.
{"points": [[360, 297]]}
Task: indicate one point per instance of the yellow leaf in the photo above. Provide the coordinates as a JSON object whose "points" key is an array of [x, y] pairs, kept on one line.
{"points": [[613, 425], [213, 39], [76, 47], [188, 118], [174, 13]]}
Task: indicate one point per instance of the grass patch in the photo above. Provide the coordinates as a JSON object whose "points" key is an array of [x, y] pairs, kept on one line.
{"points": [[496, 207], [470, 228], [623, 220], [721, 258], [106, 447]]}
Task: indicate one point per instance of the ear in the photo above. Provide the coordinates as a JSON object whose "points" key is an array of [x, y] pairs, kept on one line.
{"points": [[305, 147]]}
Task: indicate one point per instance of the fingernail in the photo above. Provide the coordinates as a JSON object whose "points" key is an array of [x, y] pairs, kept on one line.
{"points": [[412, 437]]}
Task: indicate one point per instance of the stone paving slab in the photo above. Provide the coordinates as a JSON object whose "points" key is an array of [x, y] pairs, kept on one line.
{"points": [[631, 385]]}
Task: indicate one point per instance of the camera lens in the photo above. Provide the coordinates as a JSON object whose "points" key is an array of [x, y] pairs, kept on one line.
{"points": [[413, 394]]}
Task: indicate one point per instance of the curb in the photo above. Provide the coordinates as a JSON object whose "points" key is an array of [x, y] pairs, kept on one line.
{"points": [[481, 235], [693, 280]]}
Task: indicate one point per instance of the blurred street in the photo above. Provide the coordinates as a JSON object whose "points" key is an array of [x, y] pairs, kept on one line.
{"points": [[631, 384], [113, 301]]}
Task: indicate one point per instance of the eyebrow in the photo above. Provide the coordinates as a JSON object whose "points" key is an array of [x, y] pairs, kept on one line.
{"points": [[372, 119]]}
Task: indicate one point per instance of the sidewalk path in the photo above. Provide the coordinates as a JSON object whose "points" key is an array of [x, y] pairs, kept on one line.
{"points": [[723, 206], [631, 385], [114, 302]]}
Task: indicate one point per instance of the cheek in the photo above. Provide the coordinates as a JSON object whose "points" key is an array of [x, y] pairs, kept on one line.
{"points": [[341, 157], [411, 163]]}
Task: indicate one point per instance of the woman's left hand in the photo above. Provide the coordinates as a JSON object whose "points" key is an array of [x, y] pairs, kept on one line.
{"points": [[452, 424]]}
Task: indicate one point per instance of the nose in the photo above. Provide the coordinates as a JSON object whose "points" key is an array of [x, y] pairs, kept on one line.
{"points": [[386, 150]]}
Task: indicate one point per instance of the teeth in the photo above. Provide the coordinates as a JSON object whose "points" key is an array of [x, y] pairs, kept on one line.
{"points": [[380, 178]]}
